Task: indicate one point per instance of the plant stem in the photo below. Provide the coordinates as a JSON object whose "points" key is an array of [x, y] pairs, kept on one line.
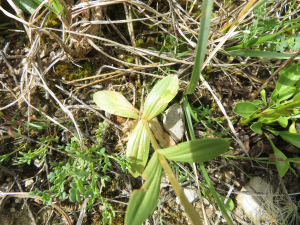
{"points": [[194, 217], [273, 111], [179, 192]]}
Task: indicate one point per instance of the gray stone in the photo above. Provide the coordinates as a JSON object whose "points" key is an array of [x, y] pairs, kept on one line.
{"points": [[190, 194], [173, 121]]}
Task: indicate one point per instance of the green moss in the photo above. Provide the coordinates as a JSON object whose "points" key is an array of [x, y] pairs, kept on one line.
{"points": [[130, 59], [64, 71], [139, 42], [86, 70], [52, 21]]}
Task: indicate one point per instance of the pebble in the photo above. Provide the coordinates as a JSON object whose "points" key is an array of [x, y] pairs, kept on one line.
{"points": [[191, 195], [173, 120]]}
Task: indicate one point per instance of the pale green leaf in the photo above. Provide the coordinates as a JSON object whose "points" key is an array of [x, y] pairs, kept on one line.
{"points": [[162, 93], [143, 201], [283, 121], [138, 149], [244, 109], [286, 93], [115, 103], [292, 128], [199, 150]]}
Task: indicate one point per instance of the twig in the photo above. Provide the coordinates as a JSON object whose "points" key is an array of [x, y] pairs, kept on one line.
{"points": [[274, 74], [11, 70], [26, 195], [88, 107], [20, 188]]}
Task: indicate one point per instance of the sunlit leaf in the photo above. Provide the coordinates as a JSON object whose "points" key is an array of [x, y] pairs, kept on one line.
{"points": [[143, 201], [244, 109], [115, 103], [199, 150], [160, 96], [288, 79], [138, 149]]}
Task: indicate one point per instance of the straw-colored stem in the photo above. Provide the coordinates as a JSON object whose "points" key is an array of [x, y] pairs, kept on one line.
{"points": [[178, 190]]}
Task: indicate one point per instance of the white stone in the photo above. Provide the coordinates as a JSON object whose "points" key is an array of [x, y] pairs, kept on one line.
{"points": [[256, 201], [191, 195], [37, 163], [173, 120], [28, 182]]}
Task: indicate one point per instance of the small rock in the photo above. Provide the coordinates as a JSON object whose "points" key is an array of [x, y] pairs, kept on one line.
{"points": [[173, 122], [29, 182], [191, 195], [37, 163], [253, 204], [18, 200]]}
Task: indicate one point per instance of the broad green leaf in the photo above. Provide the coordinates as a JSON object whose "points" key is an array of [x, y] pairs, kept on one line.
{"points": [[296, 97], [290, 137], [256, 127], [138, 149], [283, 121], [282, 166], [143, 201], [269, 118], [288, 79], [160, 96], [258, 102], [292, 128], [286, 93], [229, 204], [115, 103], [199, 150], [244, 109]]}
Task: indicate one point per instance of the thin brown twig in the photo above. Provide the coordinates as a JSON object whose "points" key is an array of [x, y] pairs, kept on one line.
{"points": [[88, 107], [11, 70], [111, 73], [20, 188], [274, 74]]}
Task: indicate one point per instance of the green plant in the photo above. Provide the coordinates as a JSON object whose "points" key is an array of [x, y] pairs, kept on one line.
{"points": [[283, 109], [204, 116], [169, 44], [143, 201], [262, 25], [39, 153], [81, 174]]}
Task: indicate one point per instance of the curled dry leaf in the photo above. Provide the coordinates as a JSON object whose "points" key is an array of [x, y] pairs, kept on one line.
{"points": [[163, 138]]}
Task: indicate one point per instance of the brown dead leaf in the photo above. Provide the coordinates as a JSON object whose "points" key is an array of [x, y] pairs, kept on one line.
{"points": [[163, 138]]}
